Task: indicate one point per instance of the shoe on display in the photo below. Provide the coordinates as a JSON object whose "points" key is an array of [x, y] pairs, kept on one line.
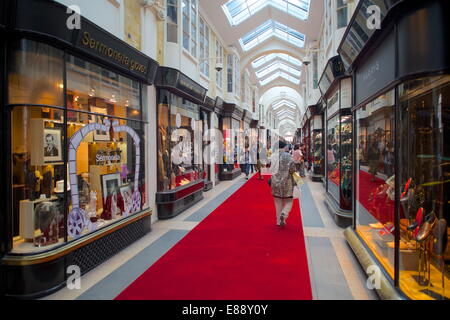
{"points": [[425, 229], [377, 225]]}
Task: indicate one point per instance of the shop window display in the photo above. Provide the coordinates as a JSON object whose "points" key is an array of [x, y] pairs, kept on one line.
{"points": [[375, 194], [177, 120], [424, 177], [339, 159], [75, 168]]}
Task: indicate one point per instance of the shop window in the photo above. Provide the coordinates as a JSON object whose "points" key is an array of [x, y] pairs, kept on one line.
{"points": [[43, 84], [83, 165], [333, 156], [424, 177], [375, 177], [95, 89], [172, 21], [177, 119]]}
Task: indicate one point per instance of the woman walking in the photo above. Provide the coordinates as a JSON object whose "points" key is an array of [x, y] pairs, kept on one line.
{"points": [[282, 183]]}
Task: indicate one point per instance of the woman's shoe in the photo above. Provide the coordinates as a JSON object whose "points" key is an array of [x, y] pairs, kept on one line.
{"points": [[282, 221]]}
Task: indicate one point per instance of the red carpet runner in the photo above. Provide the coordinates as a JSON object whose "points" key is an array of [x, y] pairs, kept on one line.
{"points": [[236, 253]]}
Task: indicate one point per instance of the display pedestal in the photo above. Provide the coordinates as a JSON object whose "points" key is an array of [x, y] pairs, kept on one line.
{"points": [[208, 186], [343, 218], [230, 175], [27, 218], [317, 178], [173, 202]]}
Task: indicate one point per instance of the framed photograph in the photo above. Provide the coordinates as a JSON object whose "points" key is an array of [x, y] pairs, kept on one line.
{"points": [[52, 147], [110, 184], [98, 134]]}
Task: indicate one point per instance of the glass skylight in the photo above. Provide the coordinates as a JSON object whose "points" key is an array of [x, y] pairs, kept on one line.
{"points": [[279, 74], [279, 56], [240, 10], [269, 29], [277, 65], [283, 103]]}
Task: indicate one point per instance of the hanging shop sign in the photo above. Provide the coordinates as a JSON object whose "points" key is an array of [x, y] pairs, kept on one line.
{"points": [[333, 71], [90, 39]]}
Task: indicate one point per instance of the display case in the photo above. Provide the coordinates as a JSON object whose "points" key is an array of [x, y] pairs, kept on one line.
{"points": [[180, 127], [402, 153], [336, 88], [232, 141], [317, 145]]}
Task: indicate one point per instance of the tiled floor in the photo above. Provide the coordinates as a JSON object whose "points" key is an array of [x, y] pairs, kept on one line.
{"points": [[335, 272]]}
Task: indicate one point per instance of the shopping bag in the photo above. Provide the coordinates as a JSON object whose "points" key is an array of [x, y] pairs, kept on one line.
{"points": [[296, 193]]}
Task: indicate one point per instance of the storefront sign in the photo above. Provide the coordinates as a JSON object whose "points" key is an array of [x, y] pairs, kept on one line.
{"points": [[377, 72], [173, 79], [98, 47], [192, 88], [333, 104], [346, 93], [90, 39]]}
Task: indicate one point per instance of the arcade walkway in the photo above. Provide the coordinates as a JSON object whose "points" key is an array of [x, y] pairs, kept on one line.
{"points": [[228, 247]]}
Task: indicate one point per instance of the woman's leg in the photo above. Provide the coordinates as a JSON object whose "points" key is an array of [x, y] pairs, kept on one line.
{"points": [[287, 207], [278, 208]]}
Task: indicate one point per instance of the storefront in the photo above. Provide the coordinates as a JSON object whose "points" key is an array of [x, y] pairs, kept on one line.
{"points": [[180, 142], [74, 125], [231, 130], [206, 113], [401, 196], [317, 142], [336, 88]]}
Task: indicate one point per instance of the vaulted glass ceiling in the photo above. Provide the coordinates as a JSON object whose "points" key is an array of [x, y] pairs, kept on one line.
{"points": [[279, 74], [269, 29], [238, 11], [283, 103], [279, 56], [277, 65]]}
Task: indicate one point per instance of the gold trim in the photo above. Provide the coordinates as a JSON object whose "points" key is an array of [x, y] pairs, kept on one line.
{"points": [[387, 290], [12, 260]]}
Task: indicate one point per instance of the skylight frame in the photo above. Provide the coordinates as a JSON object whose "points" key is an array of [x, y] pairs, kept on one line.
{"points": [[238, 11], [272, 28], [277, 65], [282, 103], [279, 74], [279, 56]]}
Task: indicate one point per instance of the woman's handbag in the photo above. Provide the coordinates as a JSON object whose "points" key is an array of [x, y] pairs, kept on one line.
{"points": [[297, 179]]}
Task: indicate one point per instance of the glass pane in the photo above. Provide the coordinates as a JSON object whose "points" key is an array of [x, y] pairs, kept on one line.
{"points": [[375, 194], [333, 156], [95, 89], [37, 142], [183, 120], [106, 169], [43, 83], [424, 128], [346, 162], [164, 163]]}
